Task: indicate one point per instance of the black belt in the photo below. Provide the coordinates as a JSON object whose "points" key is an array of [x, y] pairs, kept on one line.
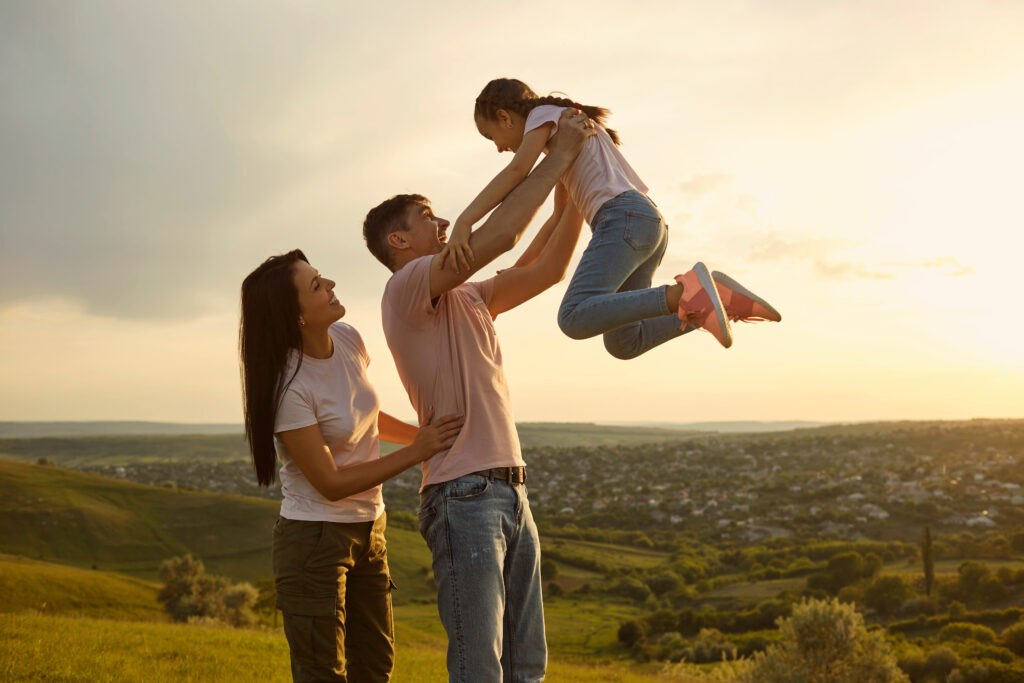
{"points": [[513, 475]]}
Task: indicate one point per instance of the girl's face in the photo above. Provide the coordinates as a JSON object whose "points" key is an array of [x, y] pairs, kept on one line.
{"points": [[506, 132], [317, 303]]}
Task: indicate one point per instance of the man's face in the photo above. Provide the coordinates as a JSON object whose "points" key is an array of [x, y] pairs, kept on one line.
{"points": [[427, 233]]}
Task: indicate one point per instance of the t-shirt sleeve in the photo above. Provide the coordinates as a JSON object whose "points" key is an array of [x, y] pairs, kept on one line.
{"points": [[294, 411], [407, 293], [545, 113], [484, 289], [354, 340]]}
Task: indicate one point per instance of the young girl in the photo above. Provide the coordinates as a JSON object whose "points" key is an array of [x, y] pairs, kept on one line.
{"points": [[610, 292]]}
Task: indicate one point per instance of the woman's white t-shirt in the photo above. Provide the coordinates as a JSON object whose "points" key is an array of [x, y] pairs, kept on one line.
{"points": [[335, 394]]}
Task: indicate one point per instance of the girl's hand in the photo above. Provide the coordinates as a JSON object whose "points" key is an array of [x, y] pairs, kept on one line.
{"points": [[457, 251], [438, 435]]}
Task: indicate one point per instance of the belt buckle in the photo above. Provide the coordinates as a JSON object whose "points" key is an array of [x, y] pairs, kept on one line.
{"points": [[516, 475]]}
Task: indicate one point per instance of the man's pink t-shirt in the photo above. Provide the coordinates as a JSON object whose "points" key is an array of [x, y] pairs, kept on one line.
{"points": [[448, 357]]}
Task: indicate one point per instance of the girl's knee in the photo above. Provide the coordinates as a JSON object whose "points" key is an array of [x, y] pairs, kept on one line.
{"points": [[620, 348], [570, 328]]}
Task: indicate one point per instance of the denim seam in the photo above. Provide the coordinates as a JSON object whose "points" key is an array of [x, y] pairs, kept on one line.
{"points": [[452, 578]]}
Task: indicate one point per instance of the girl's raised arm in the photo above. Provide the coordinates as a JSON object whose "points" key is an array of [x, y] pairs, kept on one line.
{"points": [[456, 251]]}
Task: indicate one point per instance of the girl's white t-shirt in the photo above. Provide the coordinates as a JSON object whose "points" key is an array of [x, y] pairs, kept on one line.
{"points": [[335, 394], [599, 173]]}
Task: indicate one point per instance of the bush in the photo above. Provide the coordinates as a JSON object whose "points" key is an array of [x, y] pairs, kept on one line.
{"points": [[548, 569], [941, 662], [826, 642], [663, 583], [964, 631], [886, 594], [631, 633], [189, 593], [631, 588], [1013, 638]]}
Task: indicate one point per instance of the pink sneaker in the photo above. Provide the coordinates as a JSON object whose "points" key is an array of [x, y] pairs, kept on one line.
{"points": [[742, 304], [701, 306]]}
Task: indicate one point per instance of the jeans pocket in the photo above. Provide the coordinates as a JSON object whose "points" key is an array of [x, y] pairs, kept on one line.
{"points": [[643, 230], [466, 488], [425, 518]]}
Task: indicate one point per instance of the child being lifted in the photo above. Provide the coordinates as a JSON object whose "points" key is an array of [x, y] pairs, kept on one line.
{"points": [[610, 293]]}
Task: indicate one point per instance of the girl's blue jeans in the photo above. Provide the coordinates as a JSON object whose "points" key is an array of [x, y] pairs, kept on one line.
{"points": [[610, 293]]}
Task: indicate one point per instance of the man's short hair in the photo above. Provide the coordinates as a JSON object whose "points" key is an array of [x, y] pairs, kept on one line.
{"points": [[384, 219]]}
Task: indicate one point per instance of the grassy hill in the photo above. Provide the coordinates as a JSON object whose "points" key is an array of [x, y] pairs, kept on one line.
{"points": [[93, 522], [56, 589]]}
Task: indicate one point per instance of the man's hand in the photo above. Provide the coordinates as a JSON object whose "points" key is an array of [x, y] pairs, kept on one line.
{"points": [[456, 252], [573, 128]]}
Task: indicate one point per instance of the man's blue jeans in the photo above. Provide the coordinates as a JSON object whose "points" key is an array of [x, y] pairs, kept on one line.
{"points": [[486, 556], [610, 292]]}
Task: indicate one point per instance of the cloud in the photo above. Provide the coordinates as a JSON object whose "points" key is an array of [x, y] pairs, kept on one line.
{"points": [[850, 271], [699, 185], [947, 266]]}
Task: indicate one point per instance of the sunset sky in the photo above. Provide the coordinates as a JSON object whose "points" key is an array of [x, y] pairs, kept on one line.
{"points": [[857, 163]]}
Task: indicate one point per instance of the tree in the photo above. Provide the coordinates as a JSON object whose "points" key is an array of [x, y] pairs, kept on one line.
{"points": [[631, 633], [826, 642], [886, 593], [928, 557], [1017, 542], [548, 569], [845, 568]]}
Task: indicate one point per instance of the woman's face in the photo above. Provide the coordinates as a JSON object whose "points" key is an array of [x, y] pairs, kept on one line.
{"points": [[317, 303]]}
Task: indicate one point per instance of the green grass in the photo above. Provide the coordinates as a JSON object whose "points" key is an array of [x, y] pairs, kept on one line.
{"points": [[616, 556], [56, 589], [36, 647]]}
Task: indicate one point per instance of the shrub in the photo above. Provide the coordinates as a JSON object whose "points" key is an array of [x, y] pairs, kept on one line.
{"points": [[965, 631], [826, 642], [941, 662], [886, 593], [190, 593], [1013, 638], [663, 583], [631, 633], [631, 588]]}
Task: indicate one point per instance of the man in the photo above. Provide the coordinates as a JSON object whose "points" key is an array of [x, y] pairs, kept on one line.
{"points": [[474, 513]]}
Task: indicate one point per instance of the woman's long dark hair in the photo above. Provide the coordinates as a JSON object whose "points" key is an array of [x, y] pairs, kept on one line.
{"points": [[268, 332], [511, 94]]}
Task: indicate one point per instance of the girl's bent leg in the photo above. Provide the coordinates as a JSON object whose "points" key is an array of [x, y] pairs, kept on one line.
{"points": [[629, 234], [633, 339]]}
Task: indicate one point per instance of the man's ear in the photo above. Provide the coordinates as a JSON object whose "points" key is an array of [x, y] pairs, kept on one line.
{"points": [[397, 240]]}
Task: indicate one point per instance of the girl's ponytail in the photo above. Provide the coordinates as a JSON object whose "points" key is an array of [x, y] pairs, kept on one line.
{"points": [[599, 114]]}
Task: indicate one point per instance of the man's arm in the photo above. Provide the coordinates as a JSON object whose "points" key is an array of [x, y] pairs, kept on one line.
{"points": [[393, 430], [521, 283], [544, 234], [506, 223]]}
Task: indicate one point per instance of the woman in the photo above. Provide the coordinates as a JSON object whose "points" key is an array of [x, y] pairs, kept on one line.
{"points": [[304, 381]]}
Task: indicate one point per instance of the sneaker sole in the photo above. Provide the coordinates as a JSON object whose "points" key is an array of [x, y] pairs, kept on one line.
{"points": [[737, 287], [708, 283]]}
